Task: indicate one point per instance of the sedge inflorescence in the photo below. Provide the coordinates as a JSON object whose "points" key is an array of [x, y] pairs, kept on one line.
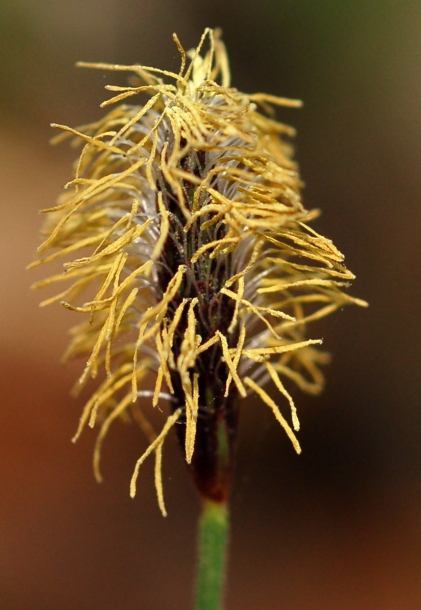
{"points": [[184, 224]]}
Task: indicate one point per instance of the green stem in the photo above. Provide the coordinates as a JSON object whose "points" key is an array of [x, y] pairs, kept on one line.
{"points": [[213, 530]]}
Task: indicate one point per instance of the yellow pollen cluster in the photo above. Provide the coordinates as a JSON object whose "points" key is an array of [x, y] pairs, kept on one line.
{"points": [[184, 224]]}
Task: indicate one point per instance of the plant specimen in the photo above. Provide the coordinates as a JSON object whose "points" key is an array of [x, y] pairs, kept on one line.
{"points": [[185, 226]]}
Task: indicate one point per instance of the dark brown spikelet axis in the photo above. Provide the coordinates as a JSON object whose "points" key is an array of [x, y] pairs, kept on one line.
{"points": [[213, 458], [184, 224]]}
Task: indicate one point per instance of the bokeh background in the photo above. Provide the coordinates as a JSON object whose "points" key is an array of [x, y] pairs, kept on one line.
{"points": [[337, 527]]}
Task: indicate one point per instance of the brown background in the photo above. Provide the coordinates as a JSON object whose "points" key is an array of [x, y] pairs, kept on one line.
{"points": [[339, 526]]}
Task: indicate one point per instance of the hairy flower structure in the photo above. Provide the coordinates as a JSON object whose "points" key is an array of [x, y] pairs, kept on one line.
{"points": [[192, 242]]}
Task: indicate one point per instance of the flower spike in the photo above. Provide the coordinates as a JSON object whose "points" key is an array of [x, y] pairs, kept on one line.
{"points": [[185, 228]]}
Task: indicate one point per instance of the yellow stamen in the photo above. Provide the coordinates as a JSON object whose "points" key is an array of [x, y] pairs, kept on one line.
{"points": [[270, 403]]}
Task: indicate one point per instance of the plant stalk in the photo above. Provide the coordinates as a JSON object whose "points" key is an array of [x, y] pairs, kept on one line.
{"points": [[213, 538]]}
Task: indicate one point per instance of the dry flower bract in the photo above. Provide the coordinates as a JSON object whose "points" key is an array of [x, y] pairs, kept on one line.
{"points": [[184, 224]]}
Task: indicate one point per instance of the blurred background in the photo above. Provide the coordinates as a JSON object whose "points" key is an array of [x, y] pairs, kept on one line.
{"points": [[337, 527]]}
